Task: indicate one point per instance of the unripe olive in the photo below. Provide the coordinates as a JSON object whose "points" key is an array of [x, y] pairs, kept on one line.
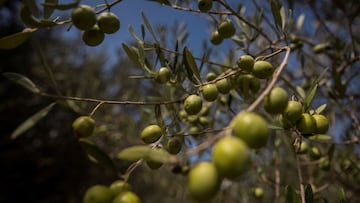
{"points": [[246, 63], [162, 75], [193, 104], [223, 86], [322, 124], [306, 124], [324, 163], [210, 76], [262, 69], [126, 197], [319, 48], [151, 134], [251, 128], [83, 17], [204, 121], [83, 126], [203, 181], [315, 153], [231, 157], [154, 164], [210, 92], [226, 28], [94, 36], [194, 130], [205, 5], [303, 149], [258, 192], [108, 22], [276, 101], [119, 186], [293, 111], [98, 193], [216, 38], [174, 145]]}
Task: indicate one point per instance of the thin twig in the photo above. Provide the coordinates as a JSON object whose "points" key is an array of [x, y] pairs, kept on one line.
{"points": [[273, 81]]}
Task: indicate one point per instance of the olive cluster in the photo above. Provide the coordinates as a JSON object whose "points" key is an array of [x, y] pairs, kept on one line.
{"points": [[94, 28], [118, 192], [225, 29]]}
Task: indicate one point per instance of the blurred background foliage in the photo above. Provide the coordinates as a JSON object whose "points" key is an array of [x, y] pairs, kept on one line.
{"points": [[47, 164]]}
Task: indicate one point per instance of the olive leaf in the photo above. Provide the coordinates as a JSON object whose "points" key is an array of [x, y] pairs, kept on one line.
{"points": [[22, 81], [148, 26], [291, 195], [48, 10], [310, 97], [31, 121], [131, 54], [31, 4], [15, 40], [342, 195], [320, 137], [321, 108], [61, 6], [158, 116], [191, 67], [147, 153], [133, 34], [96, 154], [300, 21], [309, 196], [275, 10]]}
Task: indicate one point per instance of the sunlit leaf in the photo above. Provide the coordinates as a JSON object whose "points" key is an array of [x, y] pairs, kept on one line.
{"points": [[131, 54], [143, 31], [309, 196], [15, 40], [301, 92], [96, 153], [31, 121], [321, 108], [147, 153], [48, 10], [283, 17], [300, 21], [320, 137], [133, 34], [342, 195], [22, 81], [275, 10]]}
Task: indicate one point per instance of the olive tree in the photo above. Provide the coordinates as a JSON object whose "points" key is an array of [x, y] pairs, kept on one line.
{"points": [[267, 112]]}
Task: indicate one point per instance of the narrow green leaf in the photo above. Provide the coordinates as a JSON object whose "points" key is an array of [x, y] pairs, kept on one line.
{"points": [[191, 66], [310, 97], [342, 195], [148, 26], [141, 53], [96, 153], [158, 115], [300, 21], [147, 153], [162, 2], [321, 108], [61, 6], [320, 137], [275, 10], [290, 194], [309, 196], [283, 17], [143, 32], [47, 23], [133, 34], [31, 121], [15, 40], [331, 152], [131, 54], [160, 55], [22, 80], [47, 10], [301, 92], [33, 7]]}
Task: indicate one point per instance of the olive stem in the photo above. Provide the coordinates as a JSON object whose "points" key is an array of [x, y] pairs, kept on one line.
{"points": [[273, 80], [96, 108]]}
